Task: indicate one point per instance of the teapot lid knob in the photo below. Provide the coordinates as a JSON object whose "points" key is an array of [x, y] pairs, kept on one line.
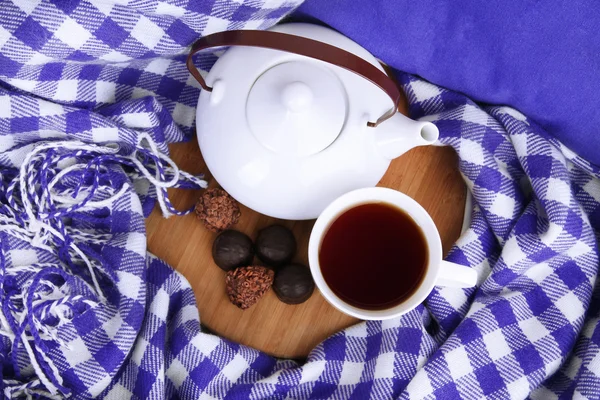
{"points": [[296, 108], [297, 96]]}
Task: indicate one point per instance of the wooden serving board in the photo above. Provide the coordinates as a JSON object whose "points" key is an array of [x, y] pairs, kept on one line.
{"points": [[430, 175]]}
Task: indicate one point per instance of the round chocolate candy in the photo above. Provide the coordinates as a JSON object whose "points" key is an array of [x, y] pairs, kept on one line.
{"points": [[217, 209], [275, 245], [246, 285], [293, 283], [232, 249]]}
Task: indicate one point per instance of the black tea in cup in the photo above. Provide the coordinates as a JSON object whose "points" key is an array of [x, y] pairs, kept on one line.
{"points": [[373, 256]]}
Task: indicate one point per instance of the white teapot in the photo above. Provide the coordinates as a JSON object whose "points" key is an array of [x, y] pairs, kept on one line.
{"points": [[294, 117]]}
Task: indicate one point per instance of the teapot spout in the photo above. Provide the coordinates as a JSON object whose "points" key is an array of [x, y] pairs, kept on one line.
{"points": [[399, 134]]}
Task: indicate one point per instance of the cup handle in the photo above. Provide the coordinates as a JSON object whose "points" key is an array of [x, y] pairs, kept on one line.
{"points": [[456, 275]]}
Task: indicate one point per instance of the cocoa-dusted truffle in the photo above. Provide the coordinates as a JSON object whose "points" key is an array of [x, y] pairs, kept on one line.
{"points": [[246, 285], [232, 249], [275, 245], [218, 210], [293, 284]]}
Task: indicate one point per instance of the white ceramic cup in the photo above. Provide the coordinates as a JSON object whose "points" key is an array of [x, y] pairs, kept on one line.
{"points": [[438, 272]]}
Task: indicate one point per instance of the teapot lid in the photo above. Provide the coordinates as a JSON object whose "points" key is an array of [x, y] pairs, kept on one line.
{"points": [[296, 108]]}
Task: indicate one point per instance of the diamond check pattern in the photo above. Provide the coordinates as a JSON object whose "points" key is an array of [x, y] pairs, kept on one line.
{"points": [[531, 328]]}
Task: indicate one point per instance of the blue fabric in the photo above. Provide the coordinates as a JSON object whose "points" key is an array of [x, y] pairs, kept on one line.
{"points": [[92, 92], [540, 57]]}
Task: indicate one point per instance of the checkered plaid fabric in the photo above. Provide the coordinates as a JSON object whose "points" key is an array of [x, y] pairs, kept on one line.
{"points": [[91, 93]]}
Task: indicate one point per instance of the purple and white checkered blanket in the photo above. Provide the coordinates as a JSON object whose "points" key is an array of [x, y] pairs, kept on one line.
{"points": [[90, 95]]}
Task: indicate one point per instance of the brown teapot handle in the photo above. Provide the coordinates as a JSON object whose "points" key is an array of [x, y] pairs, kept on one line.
{"points": [[301, 46]]}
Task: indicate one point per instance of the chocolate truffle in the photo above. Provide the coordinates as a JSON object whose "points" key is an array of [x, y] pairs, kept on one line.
{"points": [[217, 209], [232, 249], [275, 245], [293, 283], [246, 285]]}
